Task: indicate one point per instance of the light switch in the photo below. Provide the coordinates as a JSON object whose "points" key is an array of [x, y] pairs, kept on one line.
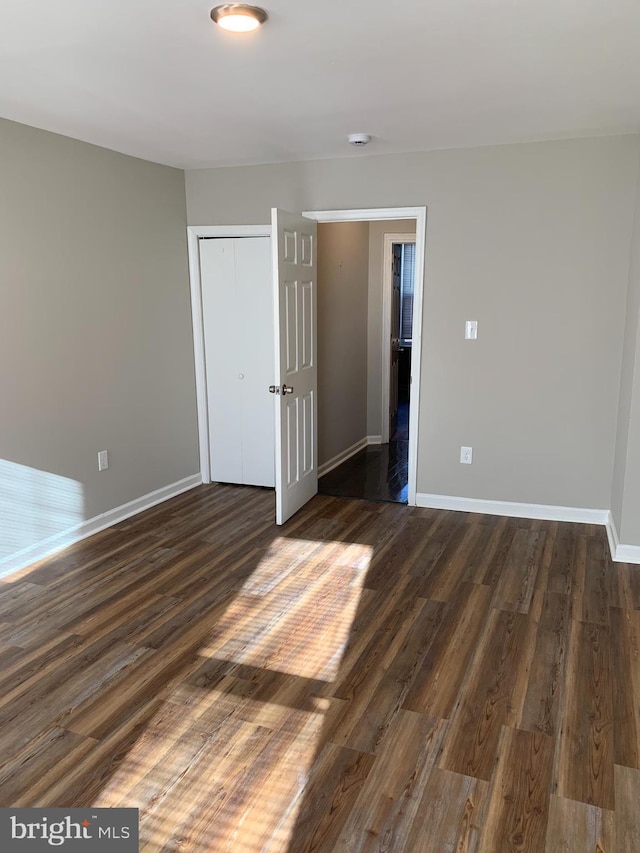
{"points": [[471, 330]]}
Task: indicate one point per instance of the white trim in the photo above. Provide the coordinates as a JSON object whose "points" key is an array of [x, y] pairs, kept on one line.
{"points": [[194, 234], [339, 458], [620, 553], [47, 547], [627, 554], [364, 214], [230, 230], [515, 510], [612, 536], [374, 439], [420, 216], [388, 240]]}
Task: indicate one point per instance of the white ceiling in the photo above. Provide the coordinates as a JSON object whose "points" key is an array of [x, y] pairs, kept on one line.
{"points": [[157, 79]]}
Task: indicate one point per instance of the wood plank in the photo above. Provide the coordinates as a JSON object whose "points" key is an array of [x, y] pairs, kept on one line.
{"points": [[546, 677], [372, 697], [49, 756], [562, 566], [439, 678], [496, 555], [625, 676], [368, 717], [517, 812], [450, 815], [443, 579], [493, 695], [594, 591], [330, 796], [627, 815], [625, 586], [516, 586], [388, 803], [584, 769], [579, 828]]}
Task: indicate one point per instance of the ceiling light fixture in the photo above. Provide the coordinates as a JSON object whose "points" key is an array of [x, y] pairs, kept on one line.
{"points": [[238, 17]]}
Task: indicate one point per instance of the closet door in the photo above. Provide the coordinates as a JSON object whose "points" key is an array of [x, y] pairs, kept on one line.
{"points": [[237, 304]]}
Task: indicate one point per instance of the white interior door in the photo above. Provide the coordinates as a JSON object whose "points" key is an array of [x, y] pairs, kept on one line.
{"points": [[295, 301], [237, 304]]}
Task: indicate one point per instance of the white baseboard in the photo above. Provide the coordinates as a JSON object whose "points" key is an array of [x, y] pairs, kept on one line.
{"points": [[514, 509], [374, 439], [342, 457], [49, 546], [620, 553]]}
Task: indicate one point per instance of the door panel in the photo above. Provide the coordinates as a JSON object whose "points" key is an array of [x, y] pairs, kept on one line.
{"points": [[295, 300], [237, 300]]}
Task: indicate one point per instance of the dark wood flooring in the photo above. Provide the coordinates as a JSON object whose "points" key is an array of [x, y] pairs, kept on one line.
{"points": [[369, 677], [377, 473]]}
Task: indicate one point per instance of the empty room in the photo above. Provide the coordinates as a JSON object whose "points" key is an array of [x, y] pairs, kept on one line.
{"points": [[249, 259]]}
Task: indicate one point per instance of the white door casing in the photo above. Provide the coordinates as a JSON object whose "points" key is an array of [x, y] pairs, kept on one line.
{"points": [[420, 215], [295, 309]]}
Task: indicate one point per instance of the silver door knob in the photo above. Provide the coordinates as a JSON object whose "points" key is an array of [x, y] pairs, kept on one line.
{"points": [[274, 389], [287, 389]]}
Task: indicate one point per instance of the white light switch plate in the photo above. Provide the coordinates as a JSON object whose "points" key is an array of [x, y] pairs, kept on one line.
{"points": [[103, 460], [471, 330]]}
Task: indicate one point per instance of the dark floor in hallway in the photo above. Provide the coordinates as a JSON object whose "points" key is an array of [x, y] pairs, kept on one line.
{"points": [[377, 473]]}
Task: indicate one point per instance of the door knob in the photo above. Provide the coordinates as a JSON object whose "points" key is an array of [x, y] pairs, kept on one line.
{"points": [[287, 389], [274, 389]]}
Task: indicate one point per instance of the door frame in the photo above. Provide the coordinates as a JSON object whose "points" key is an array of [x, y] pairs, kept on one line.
{"points": [[194, 233], [388, 240], [420, 216]]}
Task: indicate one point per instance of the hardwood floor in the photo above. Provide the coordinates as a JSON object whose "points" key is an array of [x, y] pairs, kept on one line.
{"points": [[380, 472], [369, 677]]}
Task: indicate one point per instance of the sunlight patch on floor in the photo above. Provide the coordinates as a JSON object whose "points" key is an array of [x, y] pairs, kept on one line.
{"points": [[224, 763], [223, 774], [294, 614]]}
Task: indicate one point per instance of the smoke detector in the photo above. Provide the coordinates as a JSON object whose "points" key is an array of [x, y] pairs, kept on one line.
{"points": [[359, 139]]}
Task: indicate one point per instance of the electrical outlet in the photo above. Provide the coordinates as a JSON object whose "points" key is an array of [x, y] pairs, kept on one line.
{"points": [[103, 460], [466, 455]]}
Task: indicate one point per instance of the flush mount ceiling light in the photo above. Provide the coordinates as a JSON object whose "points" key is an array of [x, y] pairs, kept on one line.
{"points": [[238, 17]]}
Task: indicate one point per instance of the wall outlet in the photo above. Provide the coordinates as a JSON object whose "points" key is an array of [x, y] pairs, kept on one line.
{"points": [[471, 330], [103, 460], [466, 455]]}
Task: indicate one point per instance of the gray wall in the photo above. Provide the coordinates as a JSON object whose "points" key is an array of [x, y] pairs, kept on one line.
{"points": [[377, 230], [625, 496], [95, 330], [533, 242], [343, 261]]}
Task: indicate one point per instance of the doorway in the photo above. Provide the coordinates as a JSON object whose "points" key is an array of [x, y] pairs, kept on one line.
{"points": [[194, 233], [377, 467]]}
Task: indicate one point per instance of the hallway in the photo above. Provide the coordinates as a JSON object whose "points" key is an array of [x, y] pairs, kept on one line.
{"points": [[377, 473]]}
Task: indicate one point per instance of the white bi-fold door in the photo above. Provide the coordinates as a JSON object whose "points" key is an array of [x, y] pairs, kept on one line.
{"points": [[237, 306]]}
